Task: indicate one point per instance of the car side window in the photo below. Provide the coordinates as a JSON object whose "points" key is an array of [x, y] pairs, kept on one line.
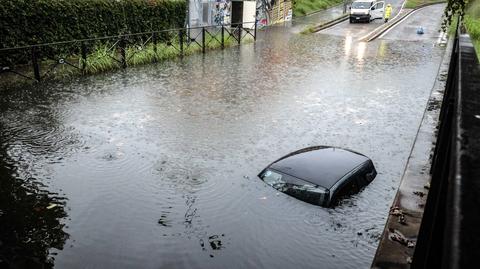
{"points": [[348, 189], [362, 177]]}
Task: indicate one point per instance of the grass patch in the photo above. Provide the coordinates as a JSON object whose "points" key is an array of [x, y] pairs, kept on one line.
{"points": [[472, 24], [309, 29], [452, 27], [305, 7], [417, 3], [315, 28], [105, 57]]}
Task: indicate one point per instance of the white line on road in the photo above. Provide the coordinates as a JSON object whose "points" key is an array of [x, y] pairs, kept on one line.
{"points": [[401, 8], [406, 17], [384, 33]]}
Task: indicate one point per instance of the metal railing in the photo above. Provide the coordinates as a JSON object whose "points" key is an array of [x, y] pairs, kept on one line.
{"points": [[28, 61], [449, 235]]}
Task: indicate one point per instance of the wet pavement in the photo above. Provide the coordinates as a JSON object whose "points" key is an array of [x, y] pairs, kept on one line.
{"points": [[361, 29], [155, 166], [407, 30]]}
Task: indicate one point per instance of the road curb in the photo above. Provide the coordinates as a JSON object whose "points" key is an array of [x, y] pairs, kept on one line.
{"points": [[382, 29], [329, 24]]}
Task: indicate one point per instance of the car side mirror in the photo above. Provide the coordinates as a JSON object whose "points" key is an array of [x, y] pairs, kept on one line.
{"points": [[373, 8]]}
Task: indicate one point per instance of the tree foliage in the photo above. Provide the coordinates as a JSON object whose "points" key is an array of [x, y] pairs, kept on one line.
{"points": [[454, 7]]}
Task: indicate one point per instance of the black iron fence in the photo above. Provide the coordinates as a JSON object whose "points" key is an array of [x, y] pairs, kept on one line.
{"points": [[449, 235], [36, 62]]}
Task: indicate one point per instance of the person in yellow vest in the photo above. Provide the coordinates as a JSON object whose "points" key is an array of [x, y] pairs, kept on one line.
{"points": [[388, 12]]}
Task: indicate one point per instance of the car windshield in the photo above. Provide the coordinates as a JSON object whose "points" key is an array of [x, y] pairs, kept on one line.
{"points": [[360, 5], [277, 180], [296, 187]]}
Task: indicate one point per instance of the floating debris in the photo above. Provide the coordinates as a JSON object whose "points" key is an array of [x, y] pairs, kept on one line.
{"points": [[51, 206], [163, 220], [397, 236], [215, 243], [396, 211], [419, 193]]}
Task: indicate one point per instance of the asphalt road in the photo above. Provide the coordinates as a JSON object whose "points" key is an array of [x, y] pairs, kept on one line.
{"points": [[407, 29], [358, 30]]}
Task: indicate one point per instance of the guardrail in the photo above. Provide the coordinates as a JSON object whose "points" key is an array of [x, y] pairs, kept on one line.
{"points": [[74, 53], [449, 234]]}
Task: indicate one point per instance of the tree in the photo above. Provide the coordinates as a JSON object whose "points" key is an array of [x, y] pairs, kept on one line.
{"points": [[453, 8]]}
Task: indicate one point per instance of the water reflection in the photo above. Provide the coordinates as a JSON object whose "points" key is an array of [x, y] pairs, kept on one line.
{"points": [[361, 46], [382, 49], [348, 44], [31, 226]]}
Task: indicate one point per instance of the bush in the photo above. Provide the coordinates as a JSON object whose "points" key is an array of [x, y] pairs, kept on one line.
{"points": [[27, 22], [472, 23]]}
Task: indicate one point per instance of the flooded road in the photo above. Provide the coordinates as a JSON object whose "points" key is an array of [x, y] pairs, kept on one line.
{"points": [[155, 167], [358, 30]]}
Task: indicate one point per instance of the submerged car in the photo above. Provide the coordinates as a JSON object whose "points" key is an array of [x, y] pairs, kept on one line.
{"points": [[320, 175]]}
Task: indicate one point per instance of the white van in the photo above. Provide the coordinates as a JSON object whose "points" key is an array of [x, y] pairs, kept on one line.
{"points": [[366, 10]]}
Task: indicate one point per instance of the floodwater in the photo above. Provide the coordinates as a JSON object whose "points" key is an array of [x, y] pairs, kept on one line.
{"points": [[155, 166]]}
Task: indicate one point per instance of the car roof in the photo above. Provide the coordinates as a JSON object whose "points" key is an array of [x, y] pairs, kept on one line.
{"points": [[321, 165]]}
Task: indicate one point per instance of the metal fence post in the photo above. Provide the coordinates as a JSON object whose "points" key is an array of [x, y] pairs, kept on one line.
{"points": [[223, 37], [36, 67], [123, 56], [255, 30], [203, 39], [239, 27], [180, 41], [154, 41], [84, 56]]}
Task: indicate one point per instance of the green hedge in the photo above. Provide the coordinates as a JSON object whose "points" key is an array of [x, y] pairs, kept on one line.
{"points": [[27, 22]]}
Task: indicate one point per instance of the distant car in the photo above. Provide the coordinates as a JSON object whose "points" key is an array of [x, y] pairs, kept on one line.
{"points": [[366, 10], [320, 175]]}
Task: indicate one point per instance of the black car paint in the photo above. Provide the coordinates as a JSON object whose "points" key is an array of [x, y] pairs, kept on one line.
{"points": [[365, 171]]}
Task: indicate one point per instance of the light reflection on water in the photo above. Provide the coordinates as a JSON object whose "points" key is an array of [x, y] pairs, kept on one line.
{"points": [[159, 163]]}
